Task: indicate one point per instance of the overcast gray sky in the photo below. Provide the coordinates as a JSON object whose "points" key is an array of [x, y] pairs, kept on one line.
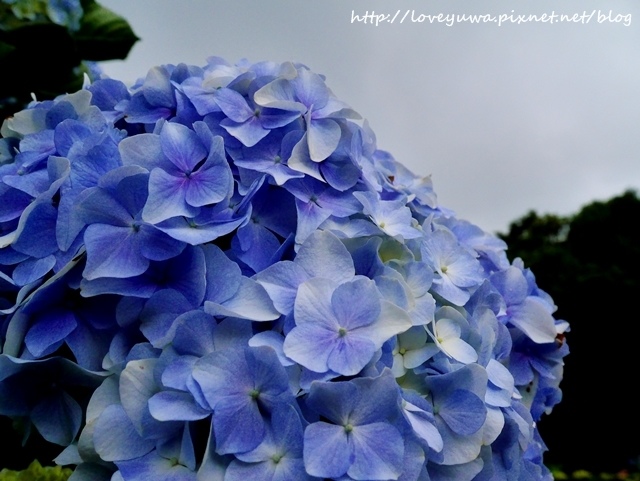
{"points": [[505, 119]]}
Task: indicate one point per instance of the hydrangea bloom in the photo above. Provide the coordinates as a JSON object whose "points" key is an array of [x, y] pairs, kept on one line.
{"points": [[224, 279], [66, 13]]}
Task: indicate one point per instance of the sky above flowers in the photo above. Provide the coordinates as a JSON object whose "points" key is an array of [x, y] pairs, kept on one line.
{"points": [[504, 118]]}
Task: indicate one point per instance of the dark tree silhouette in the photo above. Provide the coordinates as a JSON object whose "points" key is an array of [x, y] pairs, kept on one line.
{"points": [[590, 264]]}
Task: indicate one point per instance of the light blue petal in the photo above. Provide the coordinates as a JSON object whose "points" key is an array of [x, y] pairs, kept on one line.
{"points": [[155, 467], [143, 150], [260, 471], [275, 341], [182, 146], [115, 437], [279, 94], [175, 406], [233, 105], [378, 452], [350, 354], [157, 88], [460, 472], [313, 304], [208, 185], [251, 301], [184, 230], [238, 424], [457, 448], [352, 315], [300, 160], [249, 132], [423, 426], [327, 451], [281, 281], [533, 318], [512, 284], [137, 386], [310, 345], [463, 411]]}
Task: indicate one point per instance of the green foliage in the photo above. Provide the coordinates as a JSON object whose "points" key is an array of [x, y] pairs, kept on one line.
{"points": [[46, 58], [103, 35], [598, 244], [35, 472]]}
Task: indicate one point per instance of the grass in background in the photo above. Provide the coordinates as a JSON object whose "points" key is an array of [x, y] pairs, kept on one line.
{"points": [[584, 475]]}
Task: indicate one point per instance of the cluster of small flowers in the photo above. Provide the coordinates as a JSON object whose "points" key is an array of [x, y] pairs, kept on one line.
{"points": [[215, 275], [66, 13]]}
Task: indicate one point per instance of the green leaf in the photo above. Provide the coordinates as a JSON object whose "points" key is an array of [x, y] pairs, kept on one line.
{"points": [[42, 61], [5, 49], [35, 472], [104, 35]]}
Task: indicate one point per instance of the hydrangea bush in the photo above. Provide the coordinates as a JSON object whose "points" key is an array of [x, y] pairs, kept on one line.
{"points": [[216, 275]]}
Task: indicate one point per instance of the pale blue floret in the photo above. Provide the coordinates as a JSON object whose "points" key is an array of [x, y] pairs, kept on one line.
{"points": [[333, 333], [357, 437], [447, 335], [457, 270]]}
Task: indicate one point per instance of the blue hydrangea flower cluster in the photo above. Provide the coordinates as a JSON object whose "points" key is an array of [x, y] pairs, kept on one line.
{"points": [[216, 275], [66, 13]]}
